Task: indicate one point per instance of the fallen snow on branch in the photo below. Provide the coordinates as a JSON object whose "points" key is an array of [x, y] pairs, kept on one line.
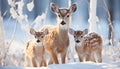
{"points": [[30, 6]]}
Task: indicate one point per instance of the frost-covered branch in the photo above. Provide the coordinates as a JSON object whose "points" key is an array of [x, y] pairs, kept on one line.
{"points": [[111, 30], [17, 14], [30, 6], [9, 44]]}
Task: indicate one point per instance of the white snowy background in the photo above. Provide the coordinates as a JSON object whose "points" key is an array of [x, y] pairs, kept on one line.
{"points": [[15, 25]]}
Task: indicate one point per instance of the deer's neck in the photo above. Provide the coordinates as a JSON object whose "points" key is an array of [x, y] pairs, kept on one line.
{"points": [[63, 33]]}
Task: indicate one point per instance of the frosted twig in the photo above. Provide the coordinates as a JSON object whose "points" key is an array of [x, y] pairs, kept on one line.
{"points": [[5, 13]]}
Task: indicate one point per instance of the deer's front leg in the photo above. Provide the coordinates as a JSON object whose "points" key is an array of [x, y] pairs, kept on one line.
{"points": [[34, 62], [100, 56], [43, 63], [50, 61], [27, 64], [63, 57]]}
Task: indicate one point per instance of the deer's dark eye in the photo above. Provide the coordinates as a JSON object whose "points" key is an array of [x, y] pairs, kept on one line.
{"points": [[35, 36], [74, 36], [67, 15], [42, 36], [59, 16], [81, 36]]}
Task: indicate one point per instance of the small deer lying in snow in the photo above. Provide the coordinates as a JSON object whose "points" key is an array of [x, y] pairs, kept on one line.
{"points": [[88, 46], [57, 41], [34, 51]]}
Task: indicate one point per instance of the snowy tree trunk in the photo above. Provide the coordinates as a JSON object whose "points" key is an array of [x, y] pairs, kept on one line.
{"points": [[92, 16], [1, 39]]}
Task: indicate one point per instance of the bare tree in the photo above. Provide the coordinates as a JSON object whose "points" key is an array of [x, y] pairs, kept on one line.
{"points": [[111, 30]]}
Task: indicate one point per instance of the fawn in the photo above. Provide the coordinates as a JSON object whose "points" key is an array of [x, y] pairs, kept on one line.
{"points": [[57, 41], [88, 46], [34, 51]]}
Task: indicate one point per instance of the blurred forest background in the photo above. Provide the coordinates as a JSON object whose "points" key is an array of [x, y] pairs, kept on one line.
{"points": [[79, 19]]}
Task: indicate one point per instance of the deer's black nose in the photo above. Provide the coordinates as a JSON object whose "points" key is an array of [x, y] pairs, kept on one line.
{"points": [[77, 41], [38, 41], [63, 23]]}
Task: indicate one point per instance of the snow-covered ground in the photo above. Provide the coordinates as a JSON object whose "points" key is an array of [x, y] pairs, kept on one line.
{"points": [[77, 65]]}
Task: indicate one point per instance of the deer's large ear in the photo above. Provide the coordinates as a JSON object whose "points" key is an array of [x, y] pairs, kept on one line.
{"points": [[85, 31], [71, 31], [32, 31], [73, 8], [46, 31], [54, 8]]}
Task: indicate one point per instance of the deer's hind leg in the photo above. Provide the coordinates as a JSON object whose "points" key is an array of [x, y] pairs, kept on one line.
{"points": [[54, 57]]}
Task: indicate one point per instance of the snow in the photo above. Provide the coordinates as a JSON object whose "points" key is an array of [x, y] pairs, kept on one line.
{"points": [[16, 47], [39, 18], [30, 6], [15, 53], [77, 65], [11, 3], [13, 13]]}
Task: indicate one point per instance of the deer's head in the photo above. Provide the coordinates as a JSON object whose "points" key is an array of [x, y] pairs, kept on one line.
{"points": [[38, 36], [78, 35], [63, 14]]}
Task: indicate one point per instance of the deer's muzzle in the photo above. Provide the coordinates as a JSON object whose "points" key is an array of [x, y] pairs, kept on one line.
{"points": [[63, 23]]}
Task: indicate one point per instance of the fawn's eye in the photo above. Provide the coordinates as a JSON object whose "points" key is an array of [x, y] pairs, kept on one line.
{"points": [[74, 36], [81, 36], [67, 15], [42, 36], [35, 36], [58, 15]]}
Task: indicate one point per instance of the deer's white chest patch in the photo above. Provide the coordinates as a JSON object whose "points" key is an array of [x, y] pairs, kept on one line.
{"points": [[78, 44], [39, 44], [63, 26]]}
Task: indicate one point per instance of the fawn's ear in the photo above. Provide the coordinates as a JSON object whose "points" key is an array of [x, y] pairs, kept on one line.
{"points": [[71, 31], [54, 8], [46, 31], [32, 31], [73, 8], [85, 31]]}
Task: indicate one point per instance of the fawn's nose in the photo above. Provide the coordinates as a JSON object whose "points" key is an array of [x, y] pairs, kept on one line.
{"points": [[63, 23], [38, 41], [77, 41]]}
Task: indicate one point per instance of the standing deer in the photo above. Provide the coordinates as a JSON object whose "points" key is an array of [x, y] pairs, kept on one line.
{"points": [[34, 51], [88, 46], [57, 41]]}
